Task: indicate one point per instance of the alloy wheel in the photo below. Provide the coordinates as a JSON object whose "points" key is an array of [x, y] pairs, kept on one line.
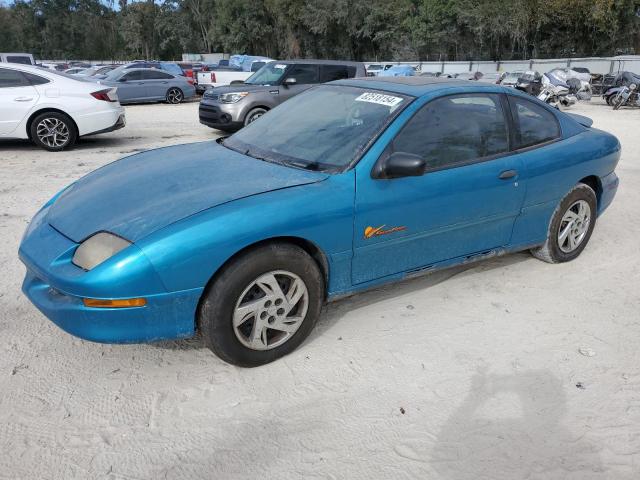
{"points": [[174, 95], [53, 132], [574, 226], [270, 310], [256, 115]]}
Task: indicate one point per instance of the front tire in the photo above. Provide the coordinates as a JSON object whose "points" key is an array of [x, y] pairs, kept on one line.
{"points": [[174, 95], [254, 114], [53, 131], [571, 226], [617, 102], [262, 305]]}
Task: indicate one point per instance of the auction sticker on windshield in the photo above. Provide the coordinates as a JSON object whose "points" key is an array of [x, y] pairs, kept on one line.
{"points": [[379, 98]]}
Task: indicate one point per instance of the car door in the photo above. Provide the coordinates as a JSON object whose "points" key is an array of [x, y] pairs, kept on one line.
{"points": [[17, 98], [464, 204], [131, 87], [156, 83], [306, 76]]}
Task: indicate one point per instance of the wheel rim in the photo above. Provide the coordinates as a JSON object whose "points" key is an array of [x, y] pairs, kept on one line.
{"points": [[174, 95], [574, 226], [256, 115], [270, 310], [53, 132]]}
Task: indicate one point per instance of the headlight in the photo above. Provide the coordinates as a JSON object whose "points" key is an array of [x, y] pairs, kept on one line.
{"points": [[232, 97], [98, 248]]}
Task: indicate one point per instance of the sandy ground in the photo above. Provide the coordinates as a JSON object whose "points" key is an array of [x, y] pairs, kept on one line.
{"points": [[472, 373]]}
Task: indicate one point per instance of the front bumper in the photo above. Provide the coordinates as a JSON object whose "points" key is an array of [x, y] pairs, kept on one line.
{"points": [[218, 115], [163, 318], [56, 287]]}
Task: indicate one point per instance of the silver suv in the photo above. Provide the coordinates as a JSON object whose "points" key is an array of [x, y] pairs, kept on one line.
{"points": [[230, 108]]}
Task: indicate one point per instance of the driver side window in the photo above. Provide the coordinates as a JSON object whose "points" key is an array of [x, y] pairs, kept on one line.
{"points": [[455, 130]]}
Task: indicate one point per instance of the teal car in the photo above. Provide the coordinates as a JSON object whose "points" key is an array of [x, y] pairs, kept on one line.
{"points": [[348, 186]]}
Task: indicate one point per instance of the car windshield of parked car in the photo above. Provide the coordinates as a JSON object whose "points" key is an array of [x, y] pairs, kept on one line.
{"points": [[325, 128], [511, 77], [269, 74], [63, 74]]}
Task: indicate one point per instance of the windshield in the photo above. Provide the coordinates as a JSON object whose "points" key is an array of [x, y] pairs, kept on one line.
{"points": [[512, 77], [270, 74], [325, 128], [63, 74], [527, 77]]}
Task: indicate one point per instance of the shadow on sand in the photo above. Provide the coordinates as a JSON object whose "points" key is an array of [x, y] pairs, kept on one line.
{"points": [[511, 427]]}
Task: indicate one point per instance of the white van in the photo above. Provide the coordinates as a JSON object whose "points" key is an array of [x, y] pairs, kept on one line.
{"points": [[23, 58]]}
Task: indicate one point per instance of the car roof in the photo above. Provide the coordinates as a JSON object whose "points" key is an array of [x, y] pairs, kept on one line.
{"points": [[141, 69], [319, 62], [414, 85]]}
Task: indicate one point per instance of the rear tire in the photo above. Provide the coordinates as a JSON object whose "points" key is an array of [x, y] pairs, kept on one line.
{"points": [[262, 305], [571, 226], [174, 95], [53, 131]]}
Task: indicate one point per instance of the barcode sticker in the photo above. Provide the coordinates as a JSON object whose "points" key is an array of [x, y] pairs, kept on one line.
{"points": [[379, 98]]}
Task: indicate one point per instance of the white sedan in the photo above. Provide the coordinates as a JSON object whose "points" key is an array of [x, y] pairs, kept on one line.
{"points": [[52, 109]]}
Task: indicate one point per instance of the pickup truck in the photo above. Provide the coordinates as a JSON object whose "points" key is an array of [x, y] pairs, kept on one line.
{"points": [[226, 75], [220, 76]]}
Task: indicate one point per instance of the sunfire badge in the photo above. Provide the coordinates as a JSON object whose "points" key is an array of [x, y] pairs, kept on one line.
{"points": [[371, 232]]}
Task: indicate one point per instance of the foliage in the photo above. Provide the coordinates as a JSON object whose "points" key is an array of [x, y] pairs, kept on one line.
{"points": [[348, 29]]}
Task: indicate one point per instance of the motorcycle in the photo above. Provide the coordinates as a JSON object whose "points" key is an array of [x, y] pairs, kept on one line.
{"points": [[579, 82], [626, 96], [555, 92], [621, 82], [530, 82]]}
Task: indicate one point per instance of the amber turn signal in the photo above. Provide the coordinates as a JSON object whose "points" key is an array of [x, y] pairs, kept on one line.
{"points": [[119, 303]]}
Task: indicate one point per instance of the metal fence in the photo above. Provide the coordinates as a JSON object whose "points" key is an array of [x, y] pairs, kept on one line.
{"points": [[602, 65]]}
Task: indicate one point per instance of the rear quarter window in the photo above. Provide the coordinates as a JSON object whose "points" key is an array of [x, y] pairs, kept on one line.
{"points": [[535, 125], [35, 79]]}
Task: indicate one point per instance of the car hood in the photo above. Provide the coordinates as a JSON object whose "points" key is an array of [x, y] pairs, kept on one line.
{"points": [[142, 193]]}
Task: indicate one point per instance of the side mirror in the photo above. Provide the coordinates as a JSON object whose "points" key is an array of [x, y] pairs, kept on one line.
{"points": [[289, 81], [123, 79], [401, 164]]}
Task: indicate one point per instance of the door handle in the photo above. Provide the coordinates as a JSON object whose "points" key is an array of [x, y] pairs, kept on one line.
{"points": [[507, 174], [23, 99]]}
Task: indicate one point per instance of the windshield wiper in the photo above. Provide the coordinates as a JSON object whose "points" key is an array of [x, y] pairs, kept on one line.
{"points": [[315, 166]]}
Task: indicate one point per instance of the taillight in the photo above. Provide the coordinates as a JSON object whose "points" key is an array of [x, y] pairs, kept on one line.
{"points": [[190, 80], [213, 77], [107, 95]]}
